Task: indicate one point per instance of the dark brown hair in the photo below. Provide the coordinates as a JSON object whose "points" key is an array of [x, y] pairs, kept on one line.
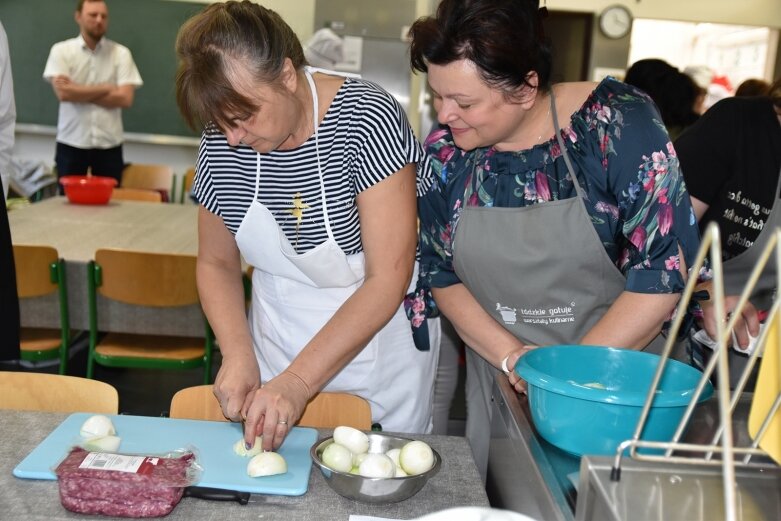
{"points": [[775, 92], [210, 46], [674, 92], [504, 38], [753, 87]]}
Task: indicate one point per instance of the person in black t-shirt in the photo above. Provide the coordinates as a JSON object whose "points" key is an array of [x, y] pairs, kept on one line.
{"points": [[673, 92], [731, 161]]}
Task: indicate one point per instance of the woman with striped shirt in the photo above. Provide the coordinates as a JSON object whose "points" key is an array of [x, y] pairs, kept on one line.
{"points": [[311, 178]]}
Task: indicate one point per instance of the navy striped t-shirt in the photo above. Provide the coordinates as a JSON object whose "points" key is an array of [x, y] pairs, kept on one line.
{"points": [[364, 138]]}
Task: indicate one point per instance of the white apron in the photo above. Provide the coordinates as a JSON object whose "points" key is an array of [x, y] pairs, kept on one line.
{"points": [[294, 295]]}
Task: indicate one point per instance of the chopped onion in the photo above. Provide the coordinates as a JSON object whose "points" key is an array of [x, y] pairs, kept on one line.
{"points": [[338, 457], [97, 425], [416, 457], [266, 464], [102, 444], [377, 466], [240, 449], [356, 441]]}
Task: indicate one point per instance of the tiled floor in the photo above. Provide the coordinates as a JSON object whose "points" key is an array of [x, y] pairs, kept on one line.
{"points": [[148, 392]]}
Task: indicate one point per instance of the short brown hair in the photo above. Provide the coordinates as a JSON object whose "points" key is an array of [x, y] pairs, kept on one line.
{"points": [[222, 36], [81, 3], [753, 87]]}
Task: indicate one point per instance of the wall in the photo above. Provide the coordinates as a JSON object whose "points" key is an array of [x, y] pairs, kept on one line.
{"points": [[37, 142], [604, 53]]}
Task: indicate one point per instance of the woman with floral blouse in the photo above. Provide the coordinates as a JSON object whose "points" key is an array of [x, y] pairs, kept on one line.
{"points": [[555, 214]]}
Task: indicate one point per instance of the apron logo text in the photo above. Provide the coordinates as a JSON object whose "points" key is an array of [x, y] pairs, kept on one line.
{"points": [[554, 315]]}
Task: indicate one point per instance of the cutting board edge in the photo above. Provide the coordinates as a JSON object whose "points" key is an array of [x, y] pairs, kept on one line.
{"points": [[306, 435]]}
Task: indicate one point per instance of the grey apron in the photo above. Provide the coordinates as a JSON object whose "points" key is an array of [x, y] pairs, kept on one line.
{"points": [[565, 284], [737, 271]]}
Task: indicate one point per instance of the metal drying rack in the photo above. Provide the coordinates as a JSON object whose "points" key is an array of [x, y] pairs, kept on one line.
{"points": [[722, 442]]}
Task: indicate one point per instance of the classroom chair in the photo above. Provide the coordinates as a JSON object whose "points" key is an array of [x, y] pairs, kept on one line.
{"points": [[136, 194], [28, 391], [153, 280], [39, 272], [325, 410], [150, 177], [187, 184]]}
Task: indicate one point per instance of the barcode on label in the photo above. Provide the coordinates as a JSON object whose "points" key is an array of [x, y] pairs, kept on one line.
{"points": [[107, 461]]}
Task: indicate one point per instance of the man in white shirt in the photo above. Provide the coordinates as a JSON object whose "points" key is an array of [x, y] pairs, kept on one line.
{"points": [[94, 78], [7, 112]]}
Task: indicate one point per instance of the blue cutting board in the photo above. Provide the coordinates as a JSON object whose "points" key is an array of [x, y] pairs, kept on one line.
{"points": [[212, 442]]}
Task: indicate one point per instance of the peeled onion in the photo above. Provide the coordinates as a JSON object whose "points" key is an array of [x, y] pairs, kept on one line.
{"points": [[400, 473], [393, 454], [97, 425], [102, 443], [416, 457], [377, 466], [358, 459], [338, 457], [354, 440], [266, 464], [240, 449]]}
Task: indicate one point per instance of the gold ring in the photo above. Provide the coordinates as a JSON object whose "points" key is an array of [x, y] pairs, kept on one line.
{"points": [[282, 422]]}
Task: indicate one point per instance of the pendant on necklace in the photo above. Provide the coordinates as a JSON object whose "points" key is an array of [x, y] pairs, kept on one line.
{"points": [[297, 211]]}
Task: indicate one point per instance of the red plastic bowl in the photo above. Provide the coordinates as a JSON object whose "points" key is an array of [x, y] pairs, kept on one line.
{"points": [[82, 189]]}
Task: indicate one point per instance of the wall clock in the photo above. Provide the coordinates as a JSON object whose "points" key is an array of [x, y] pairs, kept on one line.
{"points": [[615, 21]]}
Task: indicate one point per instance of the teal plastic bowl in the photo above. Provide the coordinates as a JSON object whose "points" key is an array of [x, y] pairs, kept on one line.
{"points": [[588, 399]]}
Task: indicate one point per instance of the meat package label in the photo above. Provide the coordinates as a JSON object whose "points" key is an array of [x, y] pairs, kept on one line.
{"points": [[118, 463]]}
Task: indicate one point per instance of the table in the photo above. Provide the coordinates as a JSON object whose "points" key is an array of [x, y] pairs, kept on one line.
{"points": [[456, 484], [78, 230]]}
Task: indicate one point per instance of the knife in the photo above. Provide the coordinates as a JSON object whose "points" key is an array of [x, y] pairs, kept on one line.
{"points": [[217, 494]]}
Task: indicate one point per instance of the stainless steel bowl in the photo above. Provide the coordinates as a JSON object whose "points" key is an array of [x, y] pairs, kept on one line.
{"points": [[373, 490]]}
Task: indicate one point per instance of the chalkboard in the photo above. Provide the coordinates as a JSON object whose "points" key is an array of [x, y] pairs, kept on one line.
{"points": [[147, 27]]}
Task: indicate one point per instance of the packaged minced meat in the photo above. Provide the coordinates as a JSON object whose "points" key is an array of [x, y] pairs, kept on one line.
{"points": [[124, 485]]}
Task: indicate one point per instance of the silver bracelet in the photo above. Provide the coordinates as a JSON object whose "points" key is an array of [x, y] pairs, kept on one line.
{"points": [[504, 365]]}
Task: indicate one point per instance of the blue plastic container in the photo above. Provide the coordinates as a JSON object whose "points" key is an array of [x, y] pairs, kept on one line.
{"points": [[588, 399]]}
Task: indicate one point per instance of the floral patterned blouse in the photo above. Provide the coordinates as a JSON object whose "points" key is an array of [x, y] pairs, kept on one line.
{"points": [[623, 159]]}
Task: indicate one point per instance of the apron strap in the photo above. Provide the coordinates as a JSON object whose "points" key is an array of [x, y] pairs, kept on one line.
{"points": [[564, 153], [315, 109]]}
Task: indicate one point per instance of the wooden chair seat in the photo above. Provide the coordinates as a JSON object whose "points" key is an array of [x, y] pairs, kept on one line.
{"points": [[40, 272], [326, 410], [28, 391], [39, 339], [150, 346], [153, 280]]}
